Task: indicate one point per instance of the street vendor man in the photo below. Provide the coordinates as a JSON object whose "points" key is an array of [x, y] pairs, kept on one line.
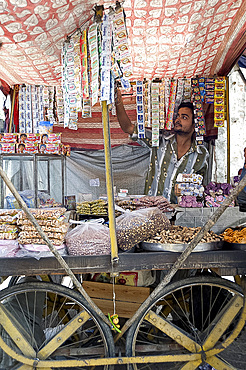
{"points": [[177, 152]]}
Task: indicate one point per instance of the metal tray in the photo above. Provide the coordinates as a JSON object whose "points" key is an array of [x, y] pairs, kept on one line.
{"points": [[202, 247], [237, 246]]}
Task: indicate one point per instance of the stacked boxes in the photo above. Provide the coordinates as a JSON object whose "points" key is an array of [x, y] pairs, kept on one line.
{"points": [[189, 190], [25, 143]]}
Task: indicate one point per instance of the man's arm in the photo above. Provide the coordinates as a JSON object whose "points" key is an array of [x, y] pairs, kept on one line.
{"points": [[124, 121]]}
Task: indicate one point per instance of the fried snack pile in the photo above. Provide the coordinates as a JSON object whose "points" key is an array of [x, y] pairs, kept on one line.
{"points": [[52, 222], [235, 236], [181, 235], [96, 207], [8, 227]]}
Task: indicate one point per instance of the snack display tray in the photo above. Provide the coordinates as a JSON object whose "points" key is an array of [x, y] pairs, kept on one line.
{"points": [[158, 247]]}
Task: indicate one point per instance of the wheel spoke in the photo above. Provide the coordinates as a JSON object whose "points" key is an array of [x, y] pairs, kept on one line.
{"points": [[223, 321], [219, 364], [16, 332], [63, 335], [173, 332]]}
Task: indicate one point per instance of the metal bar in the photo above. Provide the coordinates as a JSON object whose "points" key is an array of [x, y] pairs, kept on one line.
{"points": [[62, 262], [109, 183], [228, 131]]}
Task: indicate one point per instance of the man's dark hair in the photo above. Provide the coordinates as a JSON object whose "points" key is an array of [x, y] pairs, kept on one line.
{"points": [[190, 105]]}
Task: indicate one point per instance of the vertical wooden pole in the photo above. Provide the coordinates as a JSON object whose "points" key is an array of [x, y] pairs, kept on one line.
{"points": [[109, 183]]}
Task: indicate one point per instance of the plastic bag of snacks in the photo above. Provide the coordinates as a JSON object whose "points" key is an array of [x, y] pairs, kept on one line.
{"points": [[134, 227], [89, 238]]}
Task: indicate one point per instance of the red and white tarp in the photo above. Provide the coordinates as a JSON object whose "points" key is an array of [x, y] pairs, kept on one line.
{"points": [[168, 38]]}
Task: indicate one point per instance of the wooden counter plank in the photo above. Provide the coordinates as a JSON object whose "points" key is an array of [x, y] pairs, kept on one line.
{"points": [[127, 262]]}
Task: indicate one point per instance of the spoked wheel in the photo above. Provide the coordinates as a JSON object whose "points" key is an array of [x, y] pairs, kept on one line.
{"points": [[48, 322], [189, 324]]}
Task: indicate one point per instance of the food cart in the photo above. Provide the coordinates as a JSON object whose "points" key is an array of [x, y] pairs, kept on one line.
{"points": [[182, 324]]}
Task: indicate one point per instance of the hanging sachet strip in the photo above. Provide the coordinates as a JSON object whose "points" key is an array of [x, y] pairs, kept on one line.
{"points": [[162, 105], [22, 109], [94, 66], [147, 104], [35, 108], [51, 107], [167, 84], [77, 73], [187, 90], [28, 109], [219, 102], [84, 65], [69, 88], [201, 82], [121, 44], [155, 113], [41, 103], [171, 105], [59, 105], [209, 90], [198, 111], [140, 109], [179, 97], [106, 58], [64, 85]]}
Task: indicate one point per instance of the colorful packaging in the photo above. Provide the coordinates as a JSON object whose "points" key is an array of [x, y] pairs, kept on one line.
{"points": [[8, 138], [51, 138], [29, 138], [7, 147], [31, 148], [49, 148], [219, 102]]}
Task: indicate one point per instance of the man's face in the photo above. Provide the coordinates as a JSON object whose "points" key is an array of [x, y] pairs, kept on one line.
{"points": [[183, 124]]}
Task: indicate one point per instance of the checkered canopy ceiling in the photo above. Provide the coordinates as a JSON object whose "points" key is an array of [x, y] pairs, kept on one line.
{"points": [[167, 38]]}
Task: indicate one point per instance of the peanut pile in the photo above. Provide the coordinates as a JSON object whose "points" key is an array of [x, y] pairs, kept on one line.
{"points": [[181, 235]]}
